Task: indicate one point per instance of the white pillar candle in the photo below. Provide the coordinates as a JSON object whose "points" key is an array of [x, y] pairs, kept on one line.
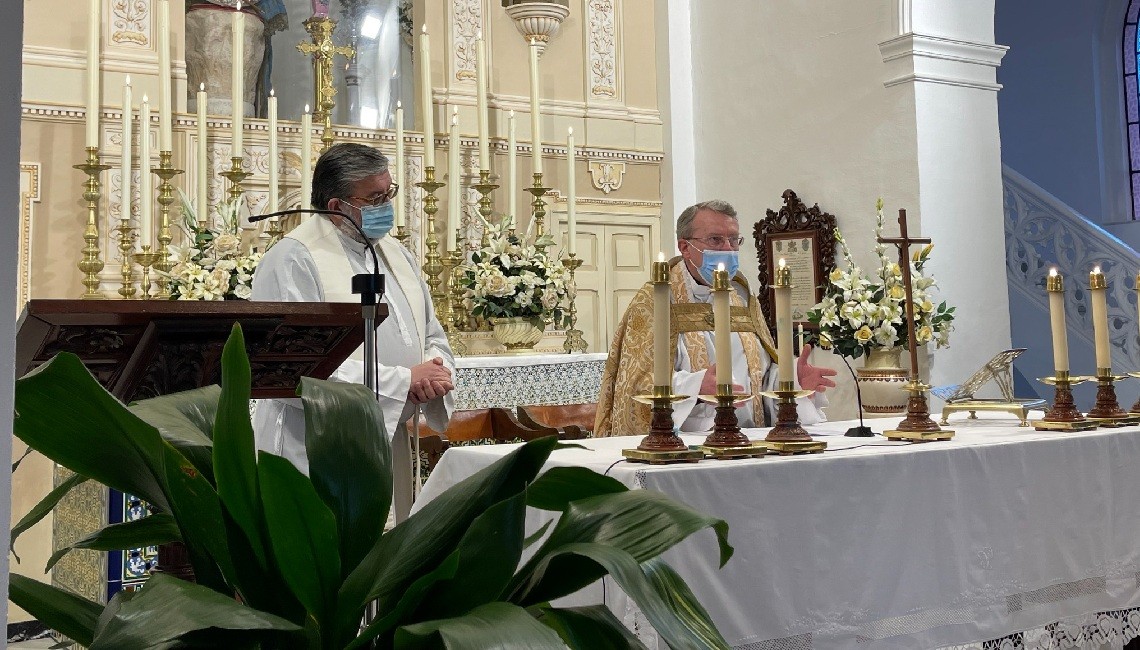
{"points": [[535, 116], [800, 334], [399, 175], [481, 103], [274, 181], [125, 168], [1098, 290], [307, 160], [453, 208], [202, 207], [662, 366], [1055, 286], [784, 321], [94, 24], [146, 194], [722, 326], [237, 74], [512, 169], [165, 133], [425, 98], [571, 194]]}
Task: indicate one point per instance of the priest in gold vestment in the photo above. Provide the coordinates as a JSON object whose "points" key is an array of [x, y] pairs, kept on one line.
{"points": [[708, 234]]}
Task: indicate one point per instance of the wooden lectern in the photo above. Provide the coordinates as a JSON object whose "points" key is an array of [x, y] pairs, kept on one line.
{"points": [[139, 349]]}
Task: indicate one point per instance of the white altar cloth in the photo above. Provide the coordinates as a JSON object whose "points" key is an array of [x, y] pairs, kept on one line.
{"points": [[877, 544], [505, 381]]}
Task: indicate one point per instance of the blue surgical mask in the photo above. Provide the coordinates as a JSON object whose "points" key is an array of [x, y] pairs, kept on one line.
{"points": [[377, 220], [710, 260]]}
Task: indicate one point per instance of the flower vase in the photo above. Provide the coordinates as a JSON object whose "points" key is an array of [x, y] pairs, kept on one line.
{"points": [[881, 380], [519, 334]]}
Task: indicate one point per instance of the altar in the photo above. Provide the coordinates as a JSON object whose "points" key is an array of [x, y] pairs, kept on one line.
{"points": [[874, 544]]}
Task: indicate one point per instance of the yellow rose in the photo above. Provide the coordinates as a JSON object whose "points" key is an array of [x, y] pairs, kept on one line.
{"points": [[864, 334], [897, 292], [927, 306], [824, 341], [836, 275], [923, 335]]}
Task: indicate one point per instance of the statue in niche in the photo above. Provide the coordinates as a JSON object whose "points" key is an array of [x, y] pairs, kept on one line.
{"points": [[320, 8], [208, 51]]}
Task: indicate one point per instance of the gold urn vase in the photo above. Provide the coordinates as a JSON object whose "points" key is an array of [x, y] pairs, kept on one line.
{"points": [[881, 380], [519, 334]]}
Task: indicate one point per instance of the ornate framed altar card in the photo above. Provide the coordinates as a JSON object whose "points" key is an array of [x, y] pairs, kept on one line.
{"points": [[805, 239]]}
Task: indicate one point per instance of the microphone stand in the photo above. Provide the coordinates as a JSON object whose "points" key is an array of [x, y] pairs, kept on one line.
{"points": [[861, 431]]}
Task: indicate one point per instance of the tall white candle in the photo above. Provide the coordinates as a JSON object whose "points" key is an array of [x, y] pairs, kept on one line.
{"points": [[481, 103], [307, 160], [662, 366], [237, 74], [125, 168], [571, 194], [512, 169], [722, 326], [94, 24], [1098, 290], [535, 116], [399, 175], [453, 211], [784, 321], [165, 134], [274, 181], [146, 194], [1055, 286], [202, 207], [425, 98]]}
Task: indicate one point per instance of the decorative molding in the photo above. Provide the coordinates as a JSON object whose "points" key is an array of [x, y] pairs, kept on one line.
{"points": [[561, 107], [903, 15], [601, 48], [605, 175], [556, 196], [130, 22], [466, 25], [29, 195], [135, 63], [413, 206], [934, 59], [538, 21]]}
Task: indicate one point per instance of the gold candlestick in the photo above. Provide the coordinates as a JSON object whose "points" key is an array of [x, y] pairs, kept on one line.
{"points": [[402, 235], [145, 259], [433, 266], [484, 187], [662, 445], [127, 238], [273, 232], [574, 342], [91, 264], [323, 50], [541, 239], [165, 171], [1063, 415], [236, 175], [454, 314]]}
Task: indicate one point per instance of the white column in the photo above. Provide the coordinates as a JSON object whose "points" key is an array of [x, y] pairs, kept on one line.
{"points": [[675, 98]]}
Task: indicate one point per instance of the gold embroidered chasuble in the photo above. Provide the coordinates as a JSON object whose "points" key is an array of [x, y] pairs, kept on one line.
{"points": [[629, 368]]}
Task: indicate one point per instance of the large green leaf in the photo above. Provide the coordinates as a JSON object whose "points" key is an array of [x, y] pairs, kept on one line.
{"points": [[199, 515], [235, 454], [61, 610], [302, 531], [671, 618], [592, 626], [558, 486], [167, 608], [158, 528], [420, 543], [350, 462], [642, 523], [494, 625], [413, 596], [681, 599], [46, 505], [185, 420]]}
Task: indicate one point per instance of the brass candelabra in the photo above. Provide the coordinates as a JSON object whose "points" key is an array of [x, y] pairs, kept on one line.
{"points": [[322, 49], [91, 263], [574, 342], [1063, 415], [454, 313], [788, 437], [127, 238], [165, 171], [1107, 411], [235, 174], [145, 259], [484, 187], [433, 265], [402, 235], [542, 239], [662, 445]]}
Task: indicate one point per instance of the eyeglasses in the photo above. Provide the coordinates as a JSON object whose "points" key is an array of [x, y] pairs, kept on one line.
{"points": [[716, 241], [378, 199]]}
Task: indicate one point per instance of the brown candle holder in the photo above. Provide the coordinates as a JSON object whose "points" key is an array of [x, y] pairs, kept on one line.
{"points": [[917, 426], [1107, 412], [788, 437], [1135, 410], [1063, 415], [662, 445], [726, 440]]}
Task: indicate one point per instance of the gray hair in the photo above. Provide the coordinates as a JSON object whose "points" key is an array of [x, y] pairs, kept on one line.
{"points": [[341, 166], [685, 221]]}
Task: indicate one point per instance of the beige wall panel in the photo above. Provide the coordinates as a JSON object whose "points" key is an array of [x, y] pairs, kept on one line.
{"points": [[638, 52], [617, 133], [30, 483], [649, 137]]}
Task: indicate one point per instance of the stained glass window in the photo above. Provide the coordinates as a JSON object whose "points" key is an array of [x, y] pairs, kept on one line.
{"points": [[1131, 52]]}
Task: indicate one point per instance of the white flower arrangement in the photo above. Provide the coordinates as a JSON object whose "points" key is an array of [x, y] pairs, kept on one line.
{"points": [[212, 264], [858, 314], [511, 278]]}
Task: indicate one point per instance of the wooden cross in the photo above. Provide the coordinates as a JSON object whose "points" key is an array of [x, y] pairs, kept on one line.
{"points": [[903, 244]]}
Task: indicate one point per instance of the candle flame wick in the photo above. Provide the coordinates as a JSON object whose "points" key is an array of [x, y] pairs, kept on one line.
{"points": [[782, 263], [720, 266], [423, 28], [399, 105], [306, 108], [660, 256], [1096, 269], [202, 87], [128, 80], [1053, 272]]}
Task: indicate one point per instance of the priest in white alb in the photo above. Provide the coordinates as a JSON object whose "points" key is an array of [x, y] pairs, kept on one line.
{"points": [[315, 262]]}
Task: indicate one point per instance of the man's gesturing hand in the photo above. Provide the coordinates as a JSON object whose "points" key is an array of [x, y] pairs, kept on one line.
{"points": [[813, 377]]}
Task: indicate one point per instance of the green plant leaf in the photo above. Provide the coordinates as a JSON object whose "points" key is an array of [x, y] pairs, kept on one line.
{"points": [[673, 588], [186, 421], [167, 608], [592, 626], [350, 462], [421, 542], [302, 531], [537, 535], [46, 505], [199, 515], [642, 523], [409, 601], [494, 625], [235, 456], [59, 609], [158, 528], [558, 486]]}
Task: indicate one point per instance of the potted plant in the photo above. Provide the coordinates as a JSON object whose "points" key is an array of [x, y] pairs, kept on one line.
{"points": [[860, 316], [284, 560]]}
